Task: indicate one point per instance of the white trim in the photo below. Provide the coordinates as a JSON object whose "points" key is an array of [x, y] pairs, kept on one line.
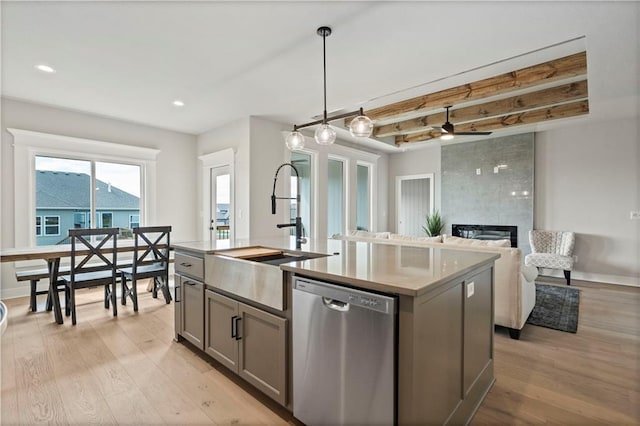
{"points": [[593, 277], [220, 158], [44, 224], [399, 179], [74, 145], [29, 144]]}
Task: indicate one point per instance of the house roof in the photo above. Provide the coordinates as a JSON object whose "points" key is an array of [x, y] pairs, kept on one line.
{"points": [[65, 190]]}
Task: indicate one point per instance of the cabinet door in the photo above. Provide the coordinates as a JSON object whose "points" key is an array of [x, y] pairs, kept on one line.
{"points": [[177, 305], [221, 315], [192, 311], [263, 351]]}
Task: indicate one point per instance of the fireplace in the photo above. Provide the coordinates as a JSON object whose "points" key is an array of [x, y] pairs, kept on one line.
{"points": [[487, 232]]}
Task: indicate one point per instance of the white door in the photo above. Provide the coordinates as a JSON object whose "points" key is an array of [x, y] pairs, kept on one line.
{"points": [[414, 200], [221, 211]]}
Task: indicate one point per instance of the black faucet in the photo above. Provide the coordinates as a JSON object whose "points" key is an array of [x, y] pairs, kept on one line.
{"points": [[298, 222]]}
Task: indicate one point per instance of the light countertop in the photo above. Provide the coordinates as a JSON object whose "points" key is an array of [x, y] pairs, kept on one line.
{"points": [[388, 268]]}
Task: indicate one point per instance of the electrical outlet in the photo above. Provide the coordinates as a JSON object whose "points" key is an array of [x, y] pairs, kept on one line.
{"points": [[470, 289], [478, 172], [635, 215], [496, 170]]}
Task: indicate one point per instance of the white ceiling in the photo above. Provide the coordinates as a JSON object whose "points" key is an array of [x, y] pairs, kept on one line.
{"points": [[228, 60]]}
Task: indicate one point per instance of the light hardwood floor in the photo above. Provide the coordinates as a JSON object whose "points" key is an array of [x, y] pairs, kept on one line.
{"points": [[128, 370]]}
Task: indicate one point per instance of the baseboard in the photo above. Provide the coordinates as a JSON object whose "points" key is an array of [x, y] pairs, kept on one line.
{"points": [[15, 292], [598, 278]]}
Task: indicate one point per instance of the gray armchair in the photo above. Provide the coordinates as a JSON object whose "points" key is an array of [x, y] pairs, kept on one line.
{"points": [[553, 250]]}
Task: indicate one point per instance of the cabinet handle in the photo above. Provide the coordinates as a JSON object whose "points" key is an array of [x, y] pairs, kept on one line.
{"points": [[190, 283], [233, 327], [238, 337], [176, 292], [186, 265]]}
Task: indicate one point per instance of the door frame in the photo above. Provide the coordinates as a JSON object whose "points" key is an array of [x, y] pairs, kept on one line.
{"points": [[214, 160], [400, 179]]}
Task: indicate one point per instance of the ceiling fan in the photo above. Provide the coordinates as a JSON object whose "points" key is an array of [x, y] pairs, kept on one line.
{"points": [[448, 132]]}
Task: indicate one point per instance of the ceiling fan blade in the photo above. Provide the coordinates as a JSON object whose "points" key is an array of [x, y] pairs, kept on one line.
{"points": [[471, 133]]}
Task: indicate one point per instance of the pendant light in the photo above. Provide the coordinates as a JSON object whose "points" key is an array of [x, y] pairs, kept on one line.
{"points": [[361, 126]]}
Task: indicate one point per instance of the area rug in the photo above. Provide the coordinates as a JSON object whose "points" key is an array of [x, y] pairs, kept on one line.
{"points": [[556, 308]]}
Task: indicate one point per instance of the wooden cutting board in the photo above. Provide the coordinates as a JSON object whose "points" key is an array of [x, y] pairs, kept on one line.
{"points": [[250, 252]]}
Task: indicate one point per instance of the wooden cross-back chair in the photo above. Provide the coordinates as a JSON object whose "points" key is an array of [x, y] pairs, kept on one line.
{"points": [[150, 260], [100, 247]]}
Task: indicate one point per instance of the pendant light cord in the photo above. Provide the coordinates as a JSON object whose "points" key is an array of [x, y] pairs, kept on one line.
{"points": [[324, 73]]}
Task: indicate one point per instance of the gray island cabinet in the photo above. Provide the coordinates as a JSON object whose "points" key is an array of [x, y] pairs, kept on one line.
{"points": [[444, 317]]}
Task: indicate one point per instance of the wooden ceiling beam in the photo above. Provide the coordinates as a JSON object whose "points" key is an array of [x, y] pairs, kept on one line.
{"points": [[555, 70], [555, 112], [531, 100]]}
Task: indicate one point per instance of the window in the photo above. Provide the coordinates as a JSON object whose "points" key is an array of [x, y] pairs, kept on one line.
{"points": [[69, 190], [80, 220], [134, 221], [51, 225], [363, 197], [105, 220], [302, 162], [335, 197], [128, 170]]}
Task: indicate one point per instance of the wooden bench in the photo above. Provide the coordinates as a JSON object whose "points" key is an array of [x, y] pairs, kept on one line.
{"points": [[35, 275]]}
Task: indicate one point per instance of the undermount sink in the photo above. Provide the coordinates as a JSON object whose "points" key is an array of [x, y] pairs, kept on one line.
{"points": [[269, 256], [278, 259]]}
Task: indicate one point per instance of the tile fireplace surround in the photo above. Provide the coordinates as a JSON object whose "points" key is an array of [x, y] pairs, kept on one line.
{"points": [[490, 182]]}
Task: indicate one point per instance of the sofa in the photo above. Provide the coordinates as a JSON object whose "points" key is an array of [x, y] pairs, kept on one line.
{"points": [[515, 291]]}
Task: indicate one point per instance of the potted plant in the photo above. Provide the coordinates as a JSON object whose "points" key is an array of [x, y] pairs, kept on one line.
{"points": [[433, 224]]}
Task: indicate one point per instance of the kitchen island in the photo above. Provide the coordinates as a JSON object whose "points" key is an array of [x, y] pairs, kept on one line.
{"points": [[444, 361]]}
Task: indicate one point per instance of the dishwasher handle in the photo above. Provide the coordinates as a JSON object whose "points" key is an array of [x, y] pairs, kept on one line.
{"points": [[336, 305], [342, 298]]}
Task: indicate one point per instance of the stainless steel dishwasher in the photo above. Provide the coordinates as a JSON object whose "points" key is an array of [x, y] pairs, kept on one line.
{"points": [[343, 355]]}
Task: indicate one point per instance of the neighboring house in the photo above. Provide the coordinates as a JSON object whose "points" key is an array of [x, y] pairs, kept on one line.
{"points": [[63, 202]]}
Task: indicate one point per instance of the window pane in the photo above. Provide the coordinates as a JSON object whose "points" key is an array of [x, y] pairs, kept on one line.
{"points": [[335, 191], [134, 221], [63, 188], [362, 198], [117, 195], [302, 162], [223, 204], [52, 225]]}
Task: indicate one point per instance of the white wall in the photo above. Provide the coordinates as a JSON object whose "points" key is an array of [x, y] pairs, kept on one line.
{"points": [[414, 162], [234, 135], [587, 180], [260, 149], [268, 151], [175, 166]]}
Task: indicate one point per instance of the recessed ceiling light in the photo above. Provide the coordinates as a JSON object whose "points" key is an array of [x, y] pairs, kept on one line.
{"points": [[178, 103], [45, 68]]}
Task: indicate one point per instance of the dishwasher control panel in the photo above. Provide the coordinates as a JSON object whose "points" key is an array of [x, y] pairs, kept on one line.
{"points": [[372, 301]]}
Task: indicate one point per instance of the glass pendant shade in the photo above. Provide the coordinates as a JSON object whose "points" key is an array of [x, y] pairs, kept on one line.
{"points": [[294, 141], [325, 134], [446, 137], [361, 127]]}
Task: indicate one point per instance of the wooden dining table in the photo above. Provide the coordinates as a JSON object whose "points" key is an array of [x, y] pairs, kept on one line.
{"points": [[52, 255]]}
